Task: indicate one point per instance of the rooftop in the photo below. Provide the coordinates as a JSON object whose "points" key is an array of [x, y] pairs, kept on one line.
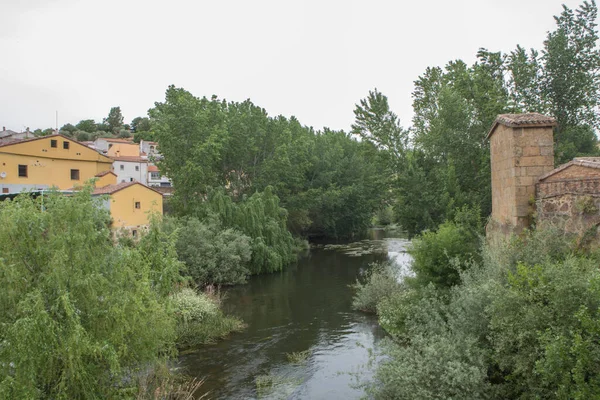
{"points": [[522, 120]]}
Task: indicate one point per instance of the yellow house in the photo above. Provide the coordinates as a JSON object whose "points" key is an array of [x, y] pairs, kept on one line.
{"points": [[130, 204], [48, 161], [60, 162], [124, 149]]}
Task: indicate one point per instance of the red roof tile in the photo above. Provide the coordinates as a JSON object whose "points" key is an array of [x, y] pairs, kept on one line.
{"points": [[152, 168], [110, 189]]}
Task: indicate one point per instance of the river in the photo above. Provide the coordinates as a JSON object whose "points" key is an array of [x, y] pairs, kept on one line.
{"points": [[306, 308]]}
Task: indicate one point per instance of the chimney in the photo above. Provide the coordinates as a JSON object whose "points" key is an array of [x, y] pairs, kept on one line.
{"points": [[522, 150], [3, 128]]}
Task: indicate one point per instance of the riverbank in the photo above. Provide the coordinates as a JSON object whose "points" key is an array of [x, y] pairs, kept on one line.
{"points": [[306, 308]]}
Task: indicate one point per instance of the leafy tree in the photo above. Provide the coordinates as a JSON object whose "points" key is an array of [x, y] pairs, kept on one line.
{"points": [[87, 125], [140, 124], [114, 120], [79, 315], [571, 74], [81, 136], [68, 128]]}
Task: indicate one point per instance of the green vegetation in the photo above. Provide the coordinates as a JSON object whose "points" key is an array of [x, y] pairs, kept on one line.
{"points": [[298, 357], [82, 317], [77, 313], [329, 183], [379, 282], [200, 320], [520, 323], [213, 256]]}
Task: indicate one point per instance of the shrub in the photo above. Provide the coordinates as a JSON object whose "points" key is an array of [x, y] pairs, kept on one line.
{"points": [[200, 320], [213, 255], [380, 281], [438, 257], [509, 329]]}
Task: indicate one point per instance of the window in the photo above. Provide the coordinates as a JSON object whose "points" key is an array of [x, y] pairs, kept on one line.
{"points": [[137, 167], [66, 145], [155, 175], [133, 233], [122, 167], [22, 171], [4, 190], [131, 179], [53, 143], [74, 174], [138, 205]]}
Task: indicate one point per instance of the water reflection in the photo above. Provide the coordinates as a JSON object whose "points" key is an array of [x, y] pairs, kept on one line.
{"points": [[306, 307]]}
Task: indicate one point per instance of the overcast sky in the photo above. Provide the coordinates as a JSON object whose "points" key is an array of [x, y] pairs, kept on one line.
{"points": [[312, 59]]}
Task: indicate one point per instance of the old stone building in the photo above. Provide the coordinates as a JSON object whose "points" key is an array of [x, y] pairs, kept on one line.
{"points": [[569, 196], [525, 184]]}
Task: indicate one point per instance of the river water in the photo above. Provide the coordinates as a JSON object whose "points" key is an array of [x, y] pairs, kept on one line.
{"points": [[306, 308]]}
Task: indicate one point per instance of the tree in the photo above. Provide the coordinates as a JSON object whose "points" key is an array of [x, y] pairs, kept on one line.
{"points": [[87, 125], [69, 128], [571, 79], [80, 316], [140, 124], [114, 120]]}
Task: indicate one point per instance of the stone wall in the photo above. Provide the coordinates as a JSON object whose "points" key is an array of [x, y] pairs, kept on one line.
{"points": [[571, 204]]}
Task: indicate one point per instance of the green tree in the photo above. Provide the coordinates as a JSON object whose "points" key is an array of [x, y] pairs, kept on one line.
{"points": [[114, 120], [87, 125], [140, 124], [69, 128], [571, 79]]}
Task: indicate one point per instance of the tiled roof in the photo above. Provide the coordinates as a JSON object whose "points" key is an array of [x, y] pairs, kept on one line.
{"points": [[130, 159], [522, 120], [589, 162], [152, 168], [101, 174], [110, 189]]}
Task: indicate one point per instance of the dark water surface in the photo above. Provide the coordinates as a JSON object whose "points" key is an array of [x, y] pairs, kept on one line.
{"points": [[305, 308]]}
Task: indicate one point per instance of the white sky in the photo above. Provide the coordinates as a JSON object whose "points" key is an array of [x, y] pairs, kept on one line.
{"points": [[312, 59]]}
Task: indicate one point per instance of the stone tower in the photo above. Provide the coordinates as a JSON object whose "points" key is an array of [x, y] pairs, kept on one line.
{"points": [[522, 150]]}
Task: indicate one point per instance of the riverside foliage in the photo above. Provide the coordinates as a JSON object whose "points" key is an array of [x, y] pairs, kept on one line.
{"points": [[81, 317], [520, 323], [329, 183], [77, 314]]}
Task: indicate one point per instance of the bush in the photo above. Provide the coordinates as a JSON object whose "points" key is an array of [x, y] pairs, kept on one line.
{"points": [[438, 257], [510, 328], [200, 320], [212, 254], [380, 282]]}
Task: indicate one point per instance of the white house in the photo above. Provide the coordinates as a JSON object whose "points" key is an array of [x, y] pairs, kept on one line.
{"points": [[155, 178], [131, 168], [150, 148]]}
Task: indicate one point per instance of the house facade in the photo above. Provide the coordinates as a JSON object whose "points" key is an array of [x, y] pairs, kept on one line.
{"points": [[48, 161], [131, 169], [59, 162], [130, 204]]}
